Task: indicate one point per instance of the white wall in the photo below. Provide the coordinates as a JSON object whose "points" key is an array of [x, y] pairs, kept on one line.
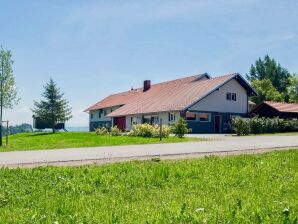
{"points": [[217, 100], [102, 118], [163, 116]]}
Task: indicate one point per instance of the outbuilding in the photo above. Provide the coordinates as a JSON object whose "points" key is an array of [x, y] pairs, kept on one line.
{"points": [[276, 109]]}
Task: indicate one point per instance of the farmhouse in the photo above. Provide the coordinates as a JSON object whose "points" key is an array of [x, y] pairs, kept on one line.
{"points": [[207, 104]]}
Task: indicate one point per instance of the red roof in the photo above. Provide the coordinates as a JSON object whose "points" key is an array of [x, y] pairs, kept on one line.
{"points": [[173, 95], [283, 107]]}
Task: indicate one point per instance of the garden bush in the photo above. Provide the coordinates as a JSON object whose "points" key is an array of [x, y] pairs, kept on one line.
{"points": [[180, 128], [241, 126], [115, 131], [102, 131], [256, 125], [149, 131]]}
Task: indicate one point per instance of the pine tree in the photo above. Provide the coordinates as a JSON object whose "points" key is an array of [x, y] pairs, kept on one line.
{"points": [[53, 108]]}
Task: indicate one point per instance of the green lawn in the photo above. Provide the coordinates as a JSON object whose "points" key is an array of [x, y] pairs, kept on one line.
{"points": [[32, 141], [259, 188]]}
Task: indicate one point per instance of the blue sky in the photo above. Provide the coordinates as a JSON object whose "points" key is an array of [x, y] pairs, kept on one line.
{"points": [[95, 48]]}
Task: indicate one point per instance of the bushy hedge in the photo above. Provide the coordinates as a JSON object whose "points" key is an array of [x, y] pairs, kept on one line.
{"points": [[104, 131], [257, 125], [149, 131]]}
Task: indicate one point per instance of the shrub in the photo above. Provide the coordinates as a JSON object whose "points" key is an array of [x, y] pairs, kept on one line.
{"points": [[149, 131], [166, 131], [256, 125], [102, 131], [241, 126], [180, 128], [115, 131]]}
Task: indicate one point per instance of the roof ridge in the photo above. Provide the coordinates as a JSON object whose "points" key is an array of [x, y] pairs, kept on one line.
{"points": [[160, 83], [271, 101]]}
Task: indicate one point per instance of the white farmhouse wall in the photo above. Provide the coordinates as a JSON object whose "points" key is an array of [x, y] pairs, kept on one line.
{"points": [[163, 115], [217, 101], [102, 117]]}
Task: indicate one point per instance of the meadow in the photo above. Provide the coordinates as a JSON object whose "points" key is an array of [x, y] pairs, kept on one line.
{"points": [[45, 140], [260, 188]]}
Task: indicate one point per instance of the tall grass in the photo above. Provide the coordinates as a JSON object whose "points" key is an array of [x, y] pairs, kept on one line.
{"points": [[236, 189]]}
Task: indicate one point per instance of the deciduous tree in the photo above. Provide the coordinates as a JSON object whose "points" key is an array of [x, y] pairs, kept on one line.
{"points": [[8, 90], [266, 91], [269, 69]]}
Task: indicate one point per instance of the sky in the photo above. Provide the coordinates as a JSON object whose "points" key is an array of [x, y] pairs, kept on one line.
{"points": [[96, 48]]}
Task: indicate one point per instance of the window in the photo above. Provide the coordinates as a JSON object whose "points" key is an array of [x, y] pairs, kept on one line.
{"points": [[91, 116], [104, 112], [99, 114], [229, 96], [155, 120], [190, 116], [171, 117], [204, 117]]}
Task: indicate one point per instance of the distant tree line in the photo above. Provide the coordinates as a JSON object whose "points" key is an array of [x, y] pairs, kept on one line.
{"points": [[18, 129]]}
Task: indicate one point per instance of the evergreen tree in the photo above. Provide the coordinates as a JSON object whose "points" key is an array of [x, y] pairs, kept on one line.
{"points": [[53, 108]]}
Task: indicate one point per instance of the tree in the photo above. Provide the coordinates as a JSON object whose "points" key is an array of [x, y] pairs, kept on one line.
{"points": [[53, 108], [8, 90], [266, 91], [293, 90], [180, 128], [269, 69]]}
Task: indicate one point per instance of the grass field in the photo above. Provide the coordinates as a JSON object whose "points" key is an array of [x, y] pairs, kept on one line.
{"points": [[236, 189], [31, 141]]}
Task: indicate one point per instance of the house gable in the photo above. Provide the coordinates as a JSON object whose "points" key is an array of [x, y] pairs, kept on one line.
{"points": [[217, 101]]}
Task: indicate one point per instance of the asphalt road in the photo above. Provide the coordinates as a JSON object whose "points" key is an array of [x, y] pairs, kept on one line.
{"points": [[77, 156]]}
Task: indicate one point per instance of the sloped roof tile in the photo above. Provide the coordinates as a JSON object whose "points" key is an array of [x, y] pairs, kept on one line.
{"points": [[173, 95], [283, 107]]}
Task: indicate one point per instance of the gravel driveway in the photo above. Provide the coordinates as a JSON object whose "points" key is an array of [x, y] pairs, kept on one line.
{"points": [[78, 156]]}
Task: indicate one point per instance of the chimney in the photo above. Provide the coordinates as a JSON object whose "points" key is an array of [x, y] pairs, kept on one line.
{"points": [[147, 85]]}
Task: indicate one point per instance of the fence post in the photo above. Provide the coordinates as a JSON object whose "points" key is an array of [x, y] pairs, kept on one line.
{"points": [[7, 133], [160, 129]]}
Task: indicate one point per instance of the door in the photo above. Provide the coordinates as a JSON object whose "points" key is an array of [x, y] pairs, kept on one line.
{"points": [[217, 123], [120, 123]]}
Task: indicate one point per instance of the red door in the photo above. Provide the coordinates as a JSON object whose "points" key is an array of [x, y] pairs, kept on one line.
{"points": [[217, 123], [120, 123]]}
